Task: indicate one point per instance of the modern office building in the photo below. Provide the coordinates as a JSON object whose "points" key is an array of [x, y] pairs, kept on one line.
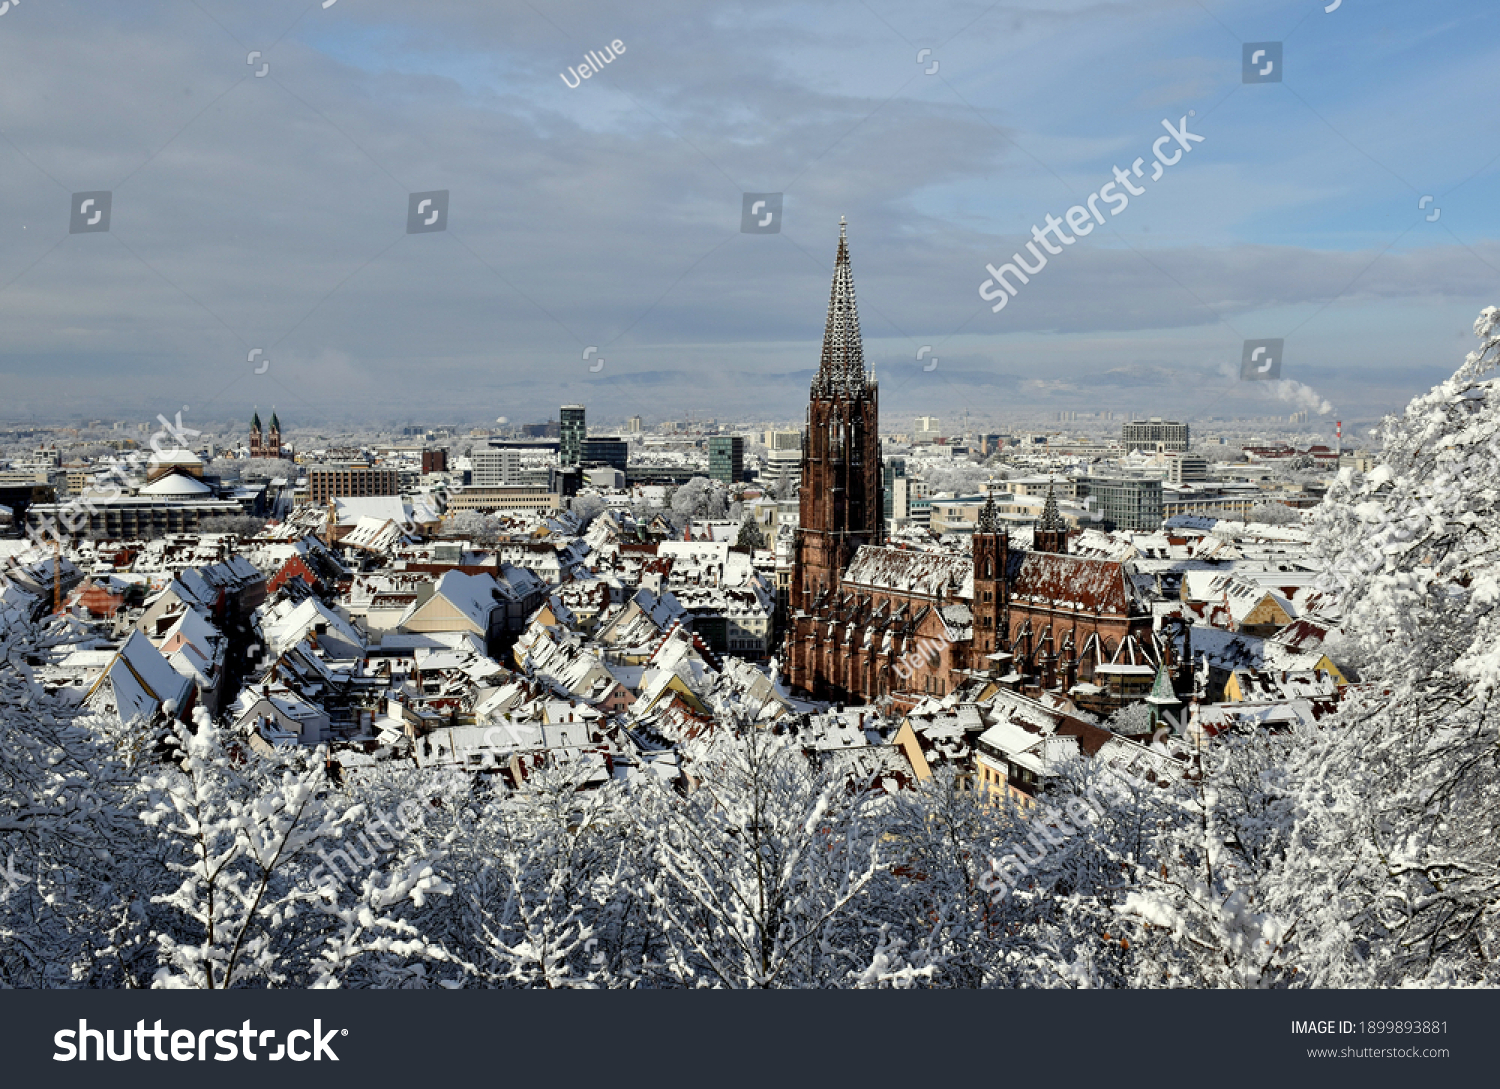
{"points": [[637, 425], [784, 461], [726, 458], [1124, 502], [571, 432], [527, 446], [344, 481], [895, 469], [1155, 434], [496, 468], [1187, 469], [504, 499], [607, 450]]}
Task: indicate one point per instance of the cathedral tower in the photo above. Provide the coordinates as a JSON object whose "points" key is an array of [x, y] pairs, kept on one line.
{"points": [[841, 499], [991, 606]]}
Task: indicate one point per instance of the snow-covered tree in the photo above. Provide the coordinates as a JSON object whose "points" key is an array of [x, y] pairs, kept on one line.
{"points": [[761, 872], [540, 898], [1131, 720], [750, 535], [587, 507], [700, 497], [471, 524], [1274, 514], [262, 900], [72, 856], [1409, 805]]}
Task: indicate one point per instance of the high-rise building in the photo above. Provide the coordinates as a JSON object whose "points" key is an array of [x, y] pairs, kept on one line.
{"points": [[636, 425], [783, 460], [726, 458], [571, 430], [841, 501], [1125, 502], [496, 468], [325, 482], [1186, 469], [601, 450], [895, 469], [1155, 434]]}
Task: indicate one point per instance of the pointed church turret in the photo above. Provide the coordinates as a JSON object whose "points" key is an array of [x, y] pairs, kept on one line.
{"points": [[989, 516], [1162, 696], [1051, 533], [257, 436]]}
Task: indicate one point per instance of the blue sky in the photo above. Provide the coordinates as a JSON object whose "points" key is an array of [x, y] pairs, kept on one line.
{"points": [[270, 212]]}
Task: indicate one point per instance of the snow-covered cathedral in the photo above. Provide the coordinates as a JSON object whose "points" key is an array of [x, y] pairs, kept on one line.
{"points": [[868, 621]]}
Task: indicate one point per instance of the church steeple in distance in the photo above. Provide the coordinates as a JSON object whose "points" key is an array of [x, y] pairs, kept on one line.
{"points": [[841, 498]]}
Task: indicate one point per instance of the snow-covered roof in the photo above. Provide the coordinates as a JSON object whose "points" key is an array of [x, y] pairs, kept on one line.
{"points": [[176, 484], [139, 681], [285, 624], [934, 574], [374, 535], [382, 508], [176, 457], [474, 596]]}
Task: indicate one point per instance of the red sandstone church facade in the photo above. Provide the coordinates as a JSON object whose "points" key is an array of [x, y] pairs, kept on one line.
{"points": [[261, 444], [867, 621]]}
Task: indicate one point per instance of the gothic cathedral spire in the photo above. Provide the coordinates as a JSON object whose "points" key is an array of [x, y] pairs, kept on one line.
{"points": [[843, 360]]}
